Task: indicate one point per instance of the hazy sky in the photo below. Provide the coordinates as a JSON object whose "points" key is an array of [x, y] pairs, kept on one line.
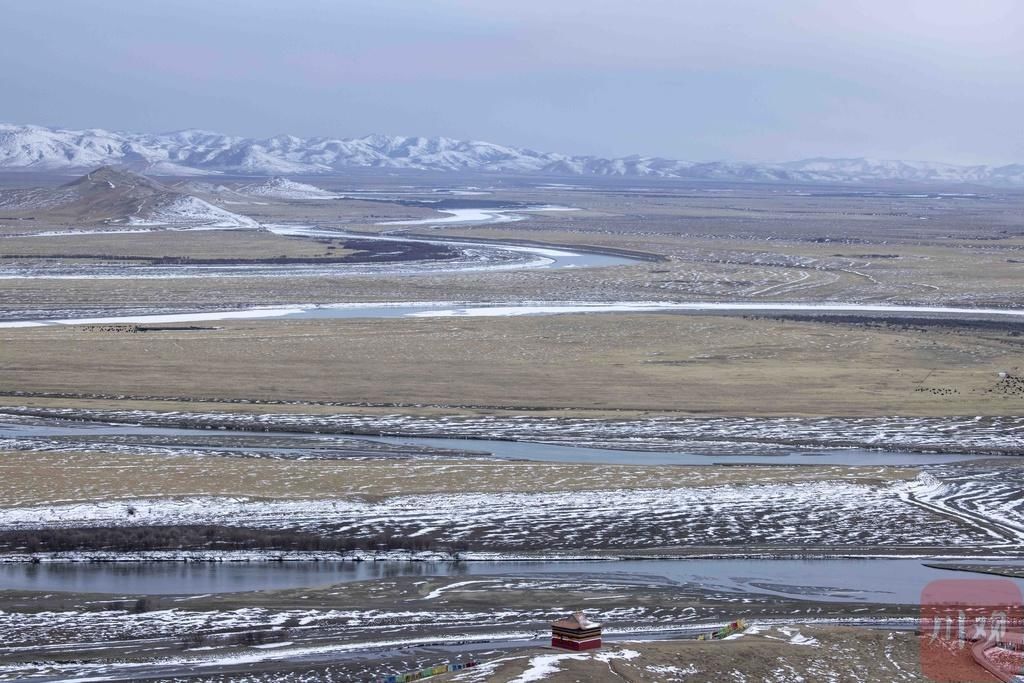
{"points": [[689, 79]]}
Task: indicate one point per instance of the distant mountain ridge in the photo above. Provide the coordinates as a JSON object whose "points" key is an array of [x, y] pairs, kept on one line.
{"points": [[196, 152]]}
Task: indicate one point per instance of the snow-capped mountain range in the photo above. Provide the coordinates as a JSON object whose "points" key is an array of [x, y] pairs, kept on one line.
{"points": [[196, 152]]}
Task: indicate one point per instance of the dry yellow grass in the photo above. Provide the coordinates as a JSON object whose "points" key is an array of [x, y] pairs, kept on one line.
{"points": [[37, 478], [598, 363], [208, 244]]}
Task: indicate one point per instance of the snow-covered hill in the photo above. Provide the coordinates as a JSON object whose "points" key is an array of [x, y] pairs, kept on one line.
{"points": [[111, 196], [195, 152], [282, 188], [191, 212]]}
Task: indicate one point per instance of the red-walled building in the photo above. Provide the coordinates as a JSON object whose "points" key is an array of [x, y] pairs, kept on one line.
{"points": [[576, 633]]}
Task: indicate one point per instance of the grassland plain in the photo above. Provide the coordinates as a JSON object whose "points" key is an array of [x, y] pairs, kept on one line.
{"points": [[185, 245], [41, 478], [661, 363]]}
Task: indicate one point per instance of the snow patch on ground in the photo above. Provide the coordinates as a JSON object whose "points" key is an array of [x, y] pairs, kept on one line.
{"points": [[437, 592], [818, 513], [664, 671], [649, 306], [797, 638], [541, 667], [480, 215]]}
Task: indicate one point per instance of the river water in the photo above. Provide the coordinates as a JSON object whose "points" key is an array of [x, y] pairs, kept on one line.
{"points": [[472, 256], [896, 581], [304, 444]]}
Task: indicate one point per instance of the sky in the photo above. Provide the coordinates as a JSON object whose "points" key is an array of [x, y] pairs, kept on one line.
{"points": [[752, 80]]}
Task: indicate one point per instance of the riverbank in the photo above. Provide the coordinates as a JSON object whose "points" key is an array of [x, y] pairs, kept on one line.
{"points": [[467, 430], [199, 555]]}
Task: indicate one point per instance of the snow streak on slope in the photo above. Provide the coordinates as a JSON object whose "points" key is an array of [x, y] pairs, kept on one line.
{"points": [[191, 151], [192, 212]]}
